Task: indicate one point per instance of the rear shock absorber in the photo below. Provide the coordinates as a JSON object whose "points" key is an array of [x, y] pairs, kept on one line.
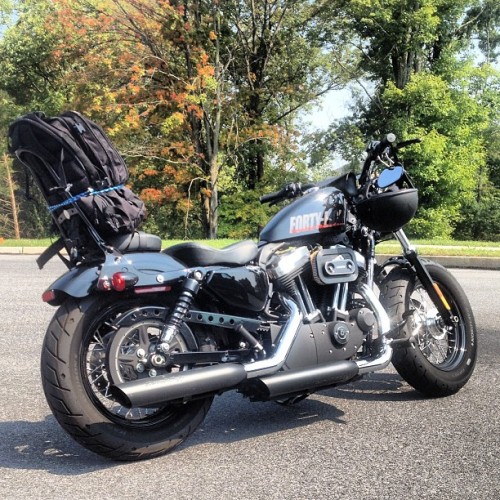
{"points": [[190, 288]]}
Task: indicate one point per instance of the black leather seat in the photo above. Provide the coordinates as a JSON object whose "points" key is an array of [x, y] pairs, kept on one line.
{"points": [[136, 242], [197, 254]]}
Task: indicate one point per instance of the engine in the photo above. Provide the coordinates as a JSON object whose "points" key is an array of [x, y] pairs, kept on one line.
{"points": [[323, 283]]}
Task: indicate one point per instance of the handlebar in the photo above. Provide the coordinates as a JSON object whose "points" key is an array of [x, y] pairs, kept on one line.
{"points": [[291, 190], [403, 144], [269, 197], [375, 150]]}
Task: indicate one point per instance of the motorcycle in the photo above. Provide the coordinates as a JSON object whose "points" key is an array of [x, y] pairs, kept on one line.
{"points": [[142, 341]]}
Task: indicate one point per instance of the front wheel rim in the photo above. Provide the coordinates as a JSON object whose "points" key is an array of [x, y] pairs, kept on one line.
{"points": [[442, 346]]}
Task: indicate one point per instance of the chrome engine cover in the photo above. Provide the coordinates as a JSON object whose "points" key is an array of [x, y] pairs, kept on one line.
{"points": [[288, 264]]}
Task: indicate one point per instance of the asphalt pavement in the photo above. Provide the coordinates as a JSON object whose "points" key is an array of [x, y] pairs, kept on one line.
{"points": [[374, 439]]}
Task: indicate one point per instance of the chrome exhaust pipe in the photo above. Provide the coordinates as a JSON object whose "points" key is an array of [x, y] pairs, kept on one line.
{"points": [[306, 380], [383, 356], [277, 360], [223, 377], [209, 379]]}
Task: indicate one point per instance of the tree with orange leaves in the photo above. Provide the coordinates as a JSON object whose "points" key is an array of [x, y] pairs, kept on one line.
{"points": [[189, 90]]}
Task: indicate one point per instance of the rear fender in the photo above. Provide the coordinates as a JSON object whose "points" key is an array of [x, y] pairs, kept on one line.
{"points": [[150, 269]]}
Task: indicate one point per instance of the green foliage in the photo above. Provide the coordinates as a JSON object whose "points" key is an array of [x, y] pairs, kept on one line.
{"points": [[31, 72], [425, 86], [242, 216], [202, 98], [480, 220]]}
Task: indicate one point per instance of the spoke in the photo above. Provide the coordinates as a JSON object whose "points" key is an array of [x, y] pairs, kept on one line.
{"points": [[440, 348], [111, 326], [96, 379], [93, 370], [141, 333], [99, 339]]}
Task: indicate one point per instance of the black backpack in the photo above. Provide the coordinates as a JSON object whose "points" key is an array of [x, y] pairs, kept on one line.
{"points": [[82, 177]]}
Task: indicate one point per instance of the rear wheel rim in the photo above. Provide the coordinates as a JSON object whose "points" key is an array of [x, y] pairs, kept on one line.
{"points": [[97, 374]]}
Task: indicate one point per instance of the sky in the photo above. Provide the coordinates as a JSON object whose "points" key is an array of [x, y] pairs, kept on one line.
{"points": [[333, 106]]}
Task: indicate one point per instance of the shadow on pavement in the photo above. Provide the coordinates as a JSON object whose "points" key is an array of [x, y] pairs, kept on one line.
{"points": [[44, 445]]}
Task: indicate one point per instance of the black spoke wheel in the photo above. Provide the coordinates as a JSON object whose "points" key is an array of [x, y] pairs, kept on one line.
{"points": [[437, 359], [90, 346]]}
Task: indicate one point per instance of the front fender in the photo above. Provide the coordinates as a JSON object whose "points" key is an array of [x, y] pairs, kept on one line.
{"points": [[151, 269]]}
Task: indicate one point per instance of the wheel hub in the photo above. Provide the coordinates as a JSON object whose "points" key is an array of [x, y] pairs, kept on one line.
{"points": [[132, 353]]}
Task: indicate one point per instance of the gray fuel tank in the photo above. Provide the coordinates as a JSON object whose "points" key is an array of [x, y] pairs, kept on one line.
{"points": [[320, 211]]}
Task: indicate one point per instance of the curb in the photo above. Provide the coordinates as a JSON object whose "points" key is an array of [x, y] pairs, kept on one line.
{"points": [[488, 263]]}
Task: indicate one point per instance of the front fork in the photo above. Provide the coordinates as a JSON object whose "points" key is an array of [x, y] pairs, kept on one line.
{"points": [[432, 288]]}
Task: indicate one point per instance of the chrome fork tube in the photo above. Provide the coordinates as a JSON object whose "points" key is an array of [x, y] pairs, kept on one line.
{"points": [[404, 241]]}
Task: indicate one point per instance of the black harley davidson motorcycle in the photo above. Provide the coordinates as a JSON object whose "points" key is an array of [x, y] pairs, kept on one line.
{"points": [[142, 341]]}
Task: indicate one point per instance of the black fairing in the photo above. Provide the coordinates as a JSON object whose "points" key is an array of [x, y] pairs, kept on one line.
{"points": [[319, 212]]}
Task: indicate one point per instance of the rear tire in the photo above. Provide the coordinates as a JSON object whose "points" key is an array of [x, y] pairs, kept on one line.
{"points": [[77, 374], [436, 361]]}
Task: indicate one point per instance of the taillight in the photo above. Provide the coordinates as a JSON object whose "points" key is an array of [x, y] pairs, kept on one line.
{"points": [[49, 296], [121, 281]]}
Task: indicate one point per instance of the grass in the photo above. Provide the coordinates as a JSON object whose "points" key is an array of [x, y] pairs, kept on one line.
{"points": [[445, 247], [45, 242], [425, 247]]}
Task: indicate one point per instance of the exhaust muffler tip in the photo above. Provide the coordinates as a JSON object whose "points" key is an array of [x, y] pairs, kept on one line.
{"points": [[146, 392], [298, 381]]}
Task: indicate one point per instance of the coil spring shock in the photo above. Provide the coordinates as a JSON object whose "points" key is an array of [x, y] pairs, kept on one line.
{"points": [[174, 322]]}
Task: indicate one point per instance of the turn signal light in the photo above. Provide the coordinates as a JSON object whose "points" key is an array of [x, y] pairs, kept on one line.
{"points": [[122, 281]]}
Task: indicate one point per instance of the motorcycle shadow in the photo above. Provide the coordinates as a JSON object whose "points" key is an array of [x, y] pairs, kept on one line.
{"points": [[232, 419], [380, 386], [43, 445]]}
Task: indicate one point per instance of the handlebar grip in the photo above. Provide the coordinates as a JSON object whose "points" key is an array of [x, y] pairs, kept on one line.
{"points": [[271, 196], [376, 148], [403, 144]]}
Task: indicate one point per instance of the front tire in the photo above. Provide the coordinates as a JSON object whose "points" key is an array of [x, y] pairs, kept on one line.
{"points": [[435, 360], [77, 374]]}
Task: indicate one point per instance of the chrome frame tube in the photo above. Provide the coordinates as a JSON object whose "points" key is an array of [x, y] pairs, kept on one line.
{"points": [[306, 297], [284, 344], [343, 297]]}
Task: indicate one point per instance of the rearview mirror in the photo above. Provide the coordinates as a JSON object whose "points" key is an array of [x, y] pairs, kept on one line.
{"points": [[389, 176]]}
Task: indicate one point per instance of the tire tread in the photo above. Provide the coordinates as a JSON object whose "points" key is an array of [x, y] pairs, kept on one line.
{"points": [[73, 409], [407, 359]]}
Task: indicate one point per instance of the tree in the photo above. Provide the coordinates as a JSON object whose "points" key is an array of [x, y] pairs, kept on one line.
{"points": [[282, 62], [221, 90], [413, 52]]}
